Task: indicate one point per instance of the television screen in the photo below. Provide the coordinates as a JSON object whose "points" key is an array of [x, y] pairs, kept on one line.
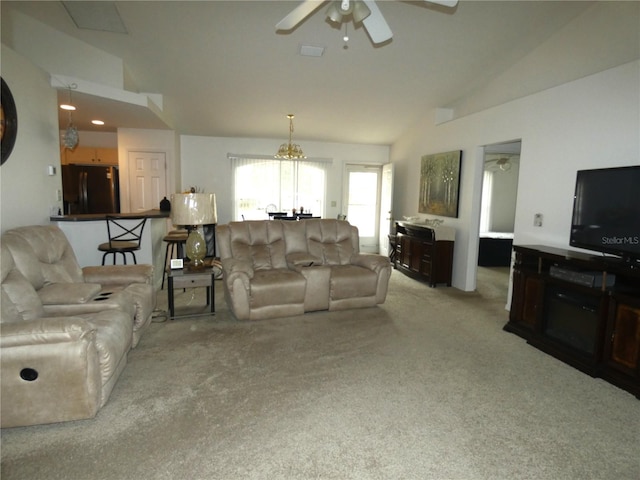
{"points": [[606, 211]]}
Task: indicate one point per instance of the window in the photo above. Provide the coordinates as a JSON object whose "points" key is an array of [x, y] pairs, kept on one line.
{"points": [[487, 196], [264, 184]]}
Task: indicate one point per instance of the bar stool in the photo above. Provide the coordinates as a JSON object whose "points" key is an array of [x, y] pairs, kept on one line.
{"points": [[393, 245], [175, 240]]}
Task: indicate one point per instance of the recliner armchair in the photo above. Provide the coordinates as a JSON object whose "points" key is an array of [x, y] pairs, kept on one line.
{"points": [[55, 368], [44, 256]]}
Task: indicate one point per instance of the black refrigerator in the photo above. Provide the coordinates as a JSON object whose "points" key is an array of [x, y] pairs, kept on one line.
{"points": [[90, 189]]}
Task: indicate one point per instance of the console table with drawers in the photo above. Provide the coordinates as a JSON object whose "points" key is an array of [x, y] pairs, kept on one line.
{"points": [[425, 252]]}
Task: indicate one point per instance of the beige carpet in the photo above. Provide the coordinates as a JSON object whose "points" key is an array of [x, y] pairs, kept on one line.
{"points": [[426, 386]]}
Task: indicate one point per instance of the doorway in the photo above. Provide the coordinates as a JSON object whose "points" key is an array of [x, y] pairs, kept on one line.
{"points": [[147, 180], [386, 207], [362, 200], [501, 167]]}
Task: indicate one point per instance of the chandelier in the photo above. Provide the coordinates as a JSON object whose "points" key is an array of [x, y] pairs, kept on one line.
{"points": [[290, 150]]}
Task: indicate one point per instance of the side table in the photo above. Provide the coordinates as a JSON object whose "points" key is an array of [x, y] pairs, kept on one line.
{"points": [[186, 277]]}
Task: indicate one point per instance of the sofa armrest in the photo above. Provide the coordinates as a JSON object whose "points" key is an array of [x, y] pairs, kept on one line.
{"points": [[118, 274], [371, 261], [234, 269], [46, 330], [68, 293]]}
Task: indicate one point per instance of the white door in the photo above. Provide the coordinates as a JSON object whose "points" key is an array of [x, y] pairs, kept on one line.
{"points": [[147, 180], [362, 198], [386, 206]]}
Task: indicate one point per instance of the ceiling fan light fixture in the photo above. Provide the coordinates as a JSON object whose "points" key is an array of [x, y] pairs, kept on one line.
{"points": [[289, 151], [339, 9], [334, 14], [504, 164], [360, 12], [346, 6]]}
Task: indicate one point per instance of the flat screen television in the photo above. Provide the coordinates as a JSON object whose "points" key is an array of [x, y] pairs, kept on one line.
{"points": [[606, 212]]}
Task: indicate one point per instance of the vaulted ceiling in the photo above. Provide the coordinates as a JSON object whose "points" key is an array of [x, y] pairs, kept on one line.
{"points": [[223, 70]]}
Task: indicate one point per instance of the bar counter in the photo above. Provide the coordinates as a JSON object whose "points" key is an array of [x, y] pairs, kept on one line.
{"points": [[86, 231], [88, 217]]}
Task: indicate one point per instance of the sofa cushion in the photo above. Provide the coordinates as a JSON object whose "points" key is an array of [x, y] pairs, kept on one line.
{"points": [[57, 293], [19, 299], [117, 299], [43, 254], [331, 240], [118, 274], [348, 281], [260, 243], [18, 296], [277, 286]]}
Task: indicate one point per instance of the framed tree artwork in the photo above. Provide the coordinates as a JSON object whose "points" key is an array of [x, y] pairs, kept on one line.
{"points": [[440, 183]]}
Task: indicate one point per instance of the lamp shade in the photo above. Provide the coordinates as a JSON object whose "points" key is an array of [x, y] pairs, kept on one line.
{"points": [[190, 209]]}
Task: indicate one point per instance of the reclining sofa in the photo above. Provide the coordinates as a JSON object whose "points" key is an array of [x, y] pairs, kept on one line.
{"points": [[275, 268], [65, 331]]}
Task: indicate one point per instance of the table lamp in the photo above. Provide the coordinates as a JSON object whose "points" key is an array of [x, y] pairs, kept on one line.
{"points": [[192, 210]]}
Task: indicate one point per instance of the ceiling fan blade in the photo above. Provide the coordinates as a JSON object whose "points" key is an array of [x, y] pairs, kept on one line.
{"points": [[446, 3], [298, 14], [376, 25]]}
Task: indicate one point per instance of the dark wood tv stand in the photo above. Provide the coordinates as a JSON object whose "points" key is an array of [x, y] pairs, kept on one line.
{"points": [[560, 307]]}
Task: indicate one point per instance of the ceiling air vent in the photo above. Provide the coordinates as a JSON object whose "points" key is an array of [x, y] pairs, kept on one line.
{"points": [[311, 51]]}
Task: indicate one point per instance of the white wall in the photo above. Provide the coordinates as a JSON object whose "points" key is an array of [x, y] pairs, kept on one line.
{"points": [[58, 53], [604, 36], [205, 165], [589, 123], [28, 193]]}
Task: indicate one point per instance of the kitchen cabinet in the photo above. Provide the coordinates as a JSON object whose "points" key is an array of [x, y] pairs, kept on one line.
{"points": [[90, 156]]}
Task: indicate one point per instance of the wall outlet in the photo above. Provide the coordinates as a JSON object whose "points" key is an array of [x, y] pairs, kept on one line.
{"points": [[537, 220]]}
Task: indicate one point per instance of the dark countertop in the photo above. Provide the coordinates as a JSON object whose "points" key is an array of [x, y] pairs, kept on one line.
{"points": [[90, 217]]}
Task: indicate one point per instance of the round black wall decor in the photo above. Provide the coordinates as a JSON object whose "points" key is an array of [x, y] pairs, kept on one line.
{"points": [[8, 122]]}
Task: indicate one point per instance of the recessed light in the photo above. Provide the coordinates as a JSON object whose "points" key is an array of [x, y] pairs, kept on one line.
{"points": [[65, 106], [97, 122]]}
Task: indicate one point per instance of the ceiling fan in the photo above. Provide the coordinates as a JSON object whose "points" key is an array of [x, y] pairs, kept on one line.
{"points": [[362, 11], [503, 163]]}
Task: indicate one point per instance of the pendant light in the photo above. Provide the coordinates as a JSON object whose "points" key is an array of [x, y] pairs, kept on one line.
{"points": [[71, 138], [290, 150]]}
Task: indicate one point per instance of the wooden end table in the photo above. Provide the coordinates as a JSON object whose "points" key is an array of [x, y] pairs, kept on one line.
{"points": [[187, 278]]}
